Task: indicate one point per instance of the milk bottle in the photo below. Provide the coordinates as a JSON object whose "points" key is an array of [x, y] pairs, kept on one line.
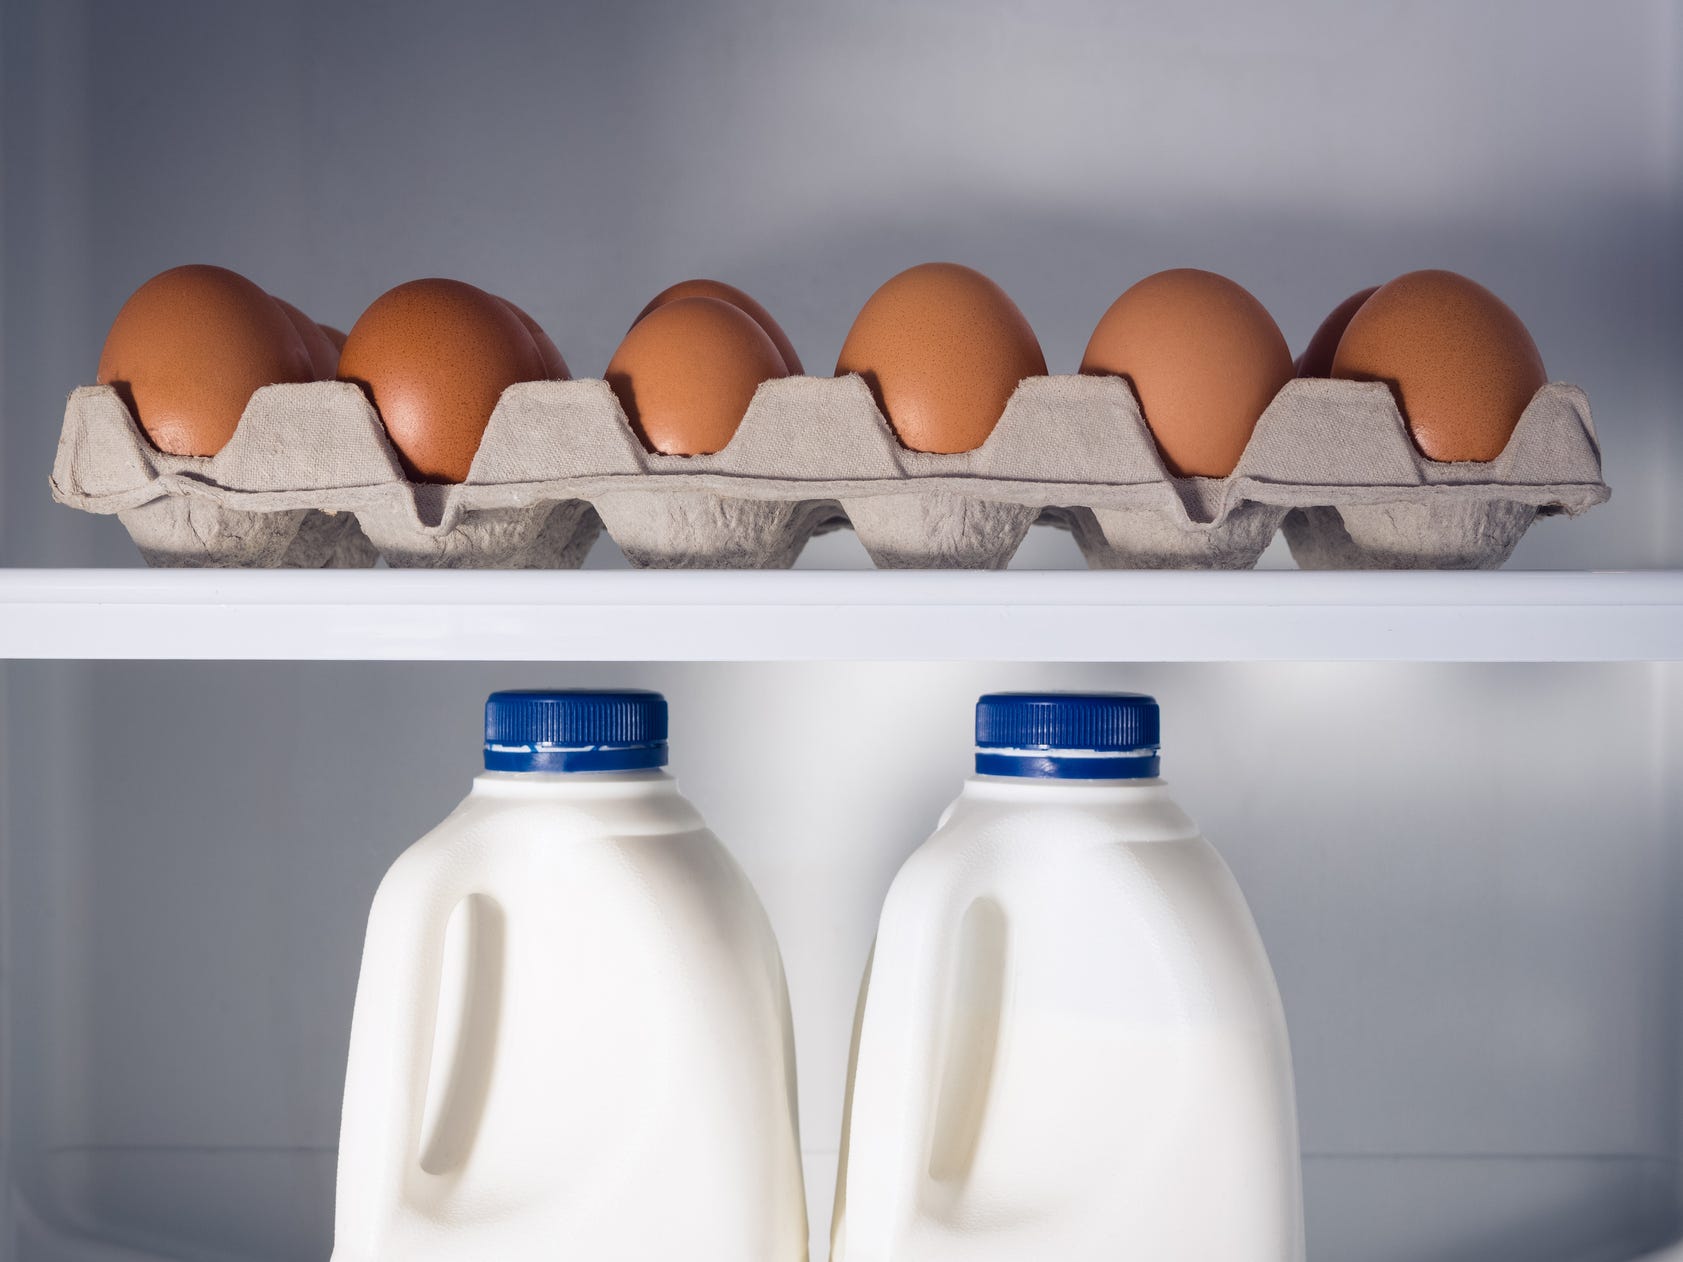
{"points": [[1070, 1045], [571, 1036]]}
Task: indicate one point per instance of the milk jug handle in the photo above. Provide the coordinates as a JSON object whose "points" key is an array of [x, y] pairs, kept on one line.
{"points": [[900, 1066], [395, 1022]]}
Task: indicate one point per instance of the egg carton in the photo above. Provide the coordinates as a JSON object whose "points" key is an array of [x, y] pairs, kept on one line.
{"points": [[310, 479]]}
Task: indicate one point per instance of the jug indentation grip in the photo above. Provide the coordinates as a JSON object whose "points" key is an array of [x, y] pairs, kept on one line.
{"points": [[465, 1030], [976, 1000]]}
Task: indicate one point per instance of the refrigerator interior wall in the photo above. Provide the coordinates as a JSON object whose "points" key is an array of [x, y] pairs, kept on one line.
{"points": [[579, 158], [1469, 876], [1467, 879]]}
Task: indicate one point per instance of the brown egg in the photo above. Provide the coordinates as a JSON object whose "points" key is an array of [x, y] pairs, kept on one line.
{"points": [[1316, 360], [336, 336], [435, 356], [942, 348], [1462, 365], [686, 371], [742, 302], [1205, 360], [554, 366], [324, 354], [189, 347]]}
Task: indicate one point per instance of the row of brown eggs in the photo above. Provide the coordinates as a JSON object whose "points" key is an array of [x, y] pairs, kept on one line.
{"points": [[940, 346]]}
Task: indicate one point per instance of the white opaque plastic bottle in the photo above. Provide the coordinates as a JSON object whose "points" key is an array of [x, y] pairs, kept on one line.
{"points": [[1070, 1044], [572, 1034]]}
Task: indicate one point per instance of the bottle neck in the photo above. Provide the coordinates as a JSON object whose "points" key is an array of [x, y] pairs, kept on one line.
{"points": [[1066, 792], [598, 785]]}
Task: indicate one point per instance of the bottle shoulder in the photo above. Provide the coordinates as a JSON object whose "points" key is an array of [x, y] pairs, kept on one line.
{"points": [[1046, 811], [617, 804], [995, 840], [550, 850]]}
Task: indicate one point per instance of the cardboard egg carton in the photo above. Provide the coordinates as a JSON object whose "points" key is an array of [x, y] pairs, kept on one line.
{"points": [[310, 479]]}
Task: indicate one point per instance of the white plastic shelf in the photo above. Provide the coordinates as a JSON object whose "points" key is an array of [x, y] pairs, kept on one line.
{"points": [[842, 615]]}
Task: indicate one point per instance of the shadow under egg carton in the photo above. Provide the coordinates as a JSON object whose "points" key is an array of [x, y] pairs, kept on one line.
{"points": [[310, 479]]}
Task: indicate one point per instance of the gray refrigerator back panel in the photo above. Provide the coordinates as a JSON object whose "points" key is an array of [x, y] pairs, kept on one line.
{"points": [[579, 158], [1477, 926]]}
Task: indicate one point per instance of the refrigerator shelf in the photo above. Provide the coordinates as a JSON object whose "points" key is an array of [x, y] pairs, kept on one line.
{"points": [[1516, 616]]}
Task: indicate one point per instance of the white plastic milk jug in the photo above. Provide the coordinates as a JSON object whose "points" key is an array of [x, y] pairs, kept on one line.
{"points": [[1070, 1045], [571, 1036]]}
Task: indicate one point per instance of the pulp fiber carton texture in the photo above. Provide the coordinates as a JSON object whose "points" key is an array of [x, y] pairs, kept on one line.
{"points": [[310, 479]]}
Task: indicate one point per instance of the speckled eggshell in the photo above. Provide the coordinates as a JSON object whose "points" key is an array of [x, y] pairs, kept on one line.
{"points": [[687, 371], [1316, 360], [942, 348], [435, 356], [188, 349], [554, 365], [1204, 358], [742, 302], [1461, 363], [324, 354]]}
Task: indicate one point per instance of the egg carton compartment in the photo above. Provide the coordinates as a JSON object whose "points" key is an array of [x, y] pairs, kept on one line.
{"points": [[310, 479]]}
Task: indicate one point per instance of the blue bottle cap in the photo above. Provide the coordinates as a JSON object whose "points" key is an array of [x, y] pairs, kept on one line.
{"points": [[580, 730], [1067, 735]]}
